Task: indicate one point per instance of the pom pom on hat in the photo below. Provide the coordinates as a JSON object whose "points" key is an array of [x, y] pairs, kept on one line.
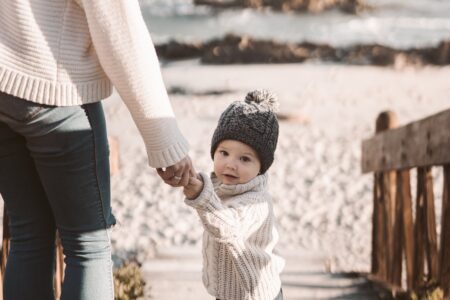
{"points": [[263, 98]]}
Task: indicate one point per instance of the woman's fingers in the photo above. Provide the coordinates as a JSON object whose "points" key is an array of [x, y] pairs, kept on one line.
{"points": [[178, 174]]}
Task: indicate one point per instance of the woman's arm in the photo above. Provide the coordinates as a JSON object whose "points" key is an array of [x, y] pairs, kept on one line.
{"points": [[128, 57]]}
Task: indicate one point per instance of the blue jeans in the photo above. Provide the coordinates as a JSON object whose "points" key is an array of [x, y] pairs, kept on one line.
{"points": [[54, 174]]}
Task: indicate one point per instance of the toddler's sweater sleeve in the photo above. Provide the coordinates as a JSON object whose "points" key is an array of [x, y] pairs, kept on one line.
{"points": [[128, 57], [231, 226]]}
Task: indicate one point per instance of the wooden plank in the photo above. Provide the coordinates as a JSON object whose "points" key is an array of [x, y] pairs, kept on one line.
{"points": [[404, 186], [430, 221], [418, 144], [385, 120], [419, 228], [379, 230], [388, 120], [444, 259], [425, 229], [389, 190], [377, 220], [397, 256]]}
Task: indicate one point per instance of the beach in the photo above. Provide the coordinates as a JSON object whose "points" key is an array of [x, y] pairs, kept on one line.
{"points": [[322, 202]]}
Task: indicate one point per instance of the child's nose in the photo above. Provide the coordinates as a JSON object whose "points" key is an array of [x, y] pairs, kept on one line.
{"points": [[231, 164]]}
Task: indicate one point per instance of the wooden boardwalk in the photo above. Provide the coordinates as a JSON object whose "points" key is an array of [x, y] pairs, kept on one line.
{"points": [[176, 274]]}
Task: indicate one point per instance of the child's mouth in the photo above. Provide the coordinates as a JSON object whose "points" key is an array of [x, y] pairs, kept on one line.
{"points": [[230, 177]]}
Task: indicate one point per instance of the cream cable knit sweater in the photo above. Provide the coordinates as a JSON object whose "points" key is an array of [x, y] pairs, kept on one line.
{"points": [[67, 52], [238, 241]]}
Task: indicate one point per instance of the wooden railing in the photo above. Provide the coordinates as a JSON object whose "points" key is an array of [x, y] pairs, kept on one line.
{"points": [[401, 241]]}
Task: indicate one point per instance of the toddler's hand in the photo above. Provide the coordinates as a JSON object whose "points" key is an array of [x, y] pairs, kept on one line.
{"points": [[194, 187]]}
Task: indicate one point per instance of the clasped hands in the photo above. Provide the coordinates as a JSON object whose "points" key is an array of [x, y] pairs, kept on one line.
{"points": [[183, 174]]}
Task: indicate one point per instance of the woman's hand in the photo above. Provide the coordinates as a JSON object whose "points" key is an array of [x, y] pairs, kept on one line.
{"points": [[178, 174]]}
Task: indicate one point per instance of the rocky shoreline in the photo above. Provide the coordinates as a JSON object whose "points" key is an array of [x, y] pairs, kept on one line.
{"points": [[315, 6], [233, 49]]}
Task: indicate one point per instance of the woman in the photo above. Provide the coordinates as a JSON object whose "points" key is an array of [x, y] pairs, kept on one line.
{"points": [[58, 59]]}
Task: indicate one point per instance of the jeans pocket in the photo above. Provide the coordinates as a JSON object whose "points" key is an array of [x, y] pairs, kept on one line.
{"points": [[19, 109]]}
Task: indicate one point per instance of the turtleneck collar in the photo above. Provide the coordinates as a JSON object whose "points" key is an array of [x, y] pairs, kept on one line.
{"points": [[228, 190]]}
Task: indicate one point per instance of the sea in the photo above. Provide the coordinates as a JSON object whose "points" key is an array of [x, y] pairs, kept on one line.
{"points": [[399, 24]]}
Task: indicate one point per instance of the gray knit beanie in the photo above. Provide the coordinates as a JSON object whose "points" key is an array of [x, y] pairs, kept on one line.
{"points": [[253, 122]]}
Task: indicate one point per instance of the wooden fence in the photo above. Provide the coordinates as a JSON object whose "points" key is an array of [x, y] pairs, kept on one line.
{"points": [[401, 240]]}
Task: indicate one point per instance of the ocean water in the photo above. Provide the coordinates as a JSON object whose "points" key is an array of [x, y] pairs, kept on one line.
{"points": [[395, 23]]}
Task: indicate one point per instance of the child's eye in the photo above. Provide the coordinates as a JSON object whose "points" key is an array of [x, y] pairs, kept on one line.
{"points": [[245, 158], [223, 152]]}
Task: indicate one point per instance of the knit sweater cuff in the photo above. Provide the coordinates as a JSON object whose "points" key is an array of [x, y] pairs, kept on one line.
{"points": [[204, 198], [164, 142]]}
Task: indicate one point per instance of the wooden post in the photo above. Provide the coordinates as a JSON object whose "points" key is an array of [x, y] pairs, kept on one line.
{"points": [[425, 229], [444, 258], [397, 257], [419, 240], [403, 230], [407, 225], [430, 221], [378, 251], [383, 211], [389, 189]]}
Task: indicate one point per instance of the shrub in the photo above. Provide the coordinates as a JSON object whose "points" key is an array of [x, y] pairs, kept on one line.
{"points": [[128, 282]]}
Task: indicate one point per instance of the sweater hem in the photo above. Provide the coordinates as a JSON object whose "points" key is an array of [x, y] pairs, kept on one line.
{"points": [[53, 93]]}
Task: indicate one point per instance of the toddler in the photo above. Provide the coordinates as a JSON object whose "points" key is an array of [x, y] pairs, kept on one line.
{"points": [[235, 206]]}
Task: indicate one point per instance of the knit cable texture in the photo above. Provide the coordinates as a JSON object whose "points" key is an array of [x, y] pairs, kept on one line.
{"points": [[238, 240]]}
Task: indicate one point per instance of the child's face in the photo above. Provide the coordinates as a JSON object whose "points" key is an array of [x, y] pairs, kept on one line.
{"points": [[235, 162]]}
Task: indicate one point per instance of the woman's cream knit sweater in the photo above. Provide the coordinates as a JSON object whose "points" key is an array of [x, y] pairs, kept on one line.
{"points": [[238, 241], [71, 52]]}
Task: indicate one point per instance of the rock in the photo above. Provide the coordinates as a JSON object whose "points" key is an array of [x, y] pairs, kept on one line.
{"points": [[176, 50], [316, 6], [236, 49], [233, 49], [443, 53]]}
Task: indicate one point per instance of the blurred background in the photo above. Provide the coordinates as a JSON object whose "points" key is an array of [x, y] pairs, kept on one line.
{"points": [[335, 65]]}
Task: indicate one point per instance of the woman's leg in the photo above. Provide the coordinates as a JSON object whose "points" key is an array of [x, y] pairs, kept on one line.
{"points": [[68, 146], [29, 271]]}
